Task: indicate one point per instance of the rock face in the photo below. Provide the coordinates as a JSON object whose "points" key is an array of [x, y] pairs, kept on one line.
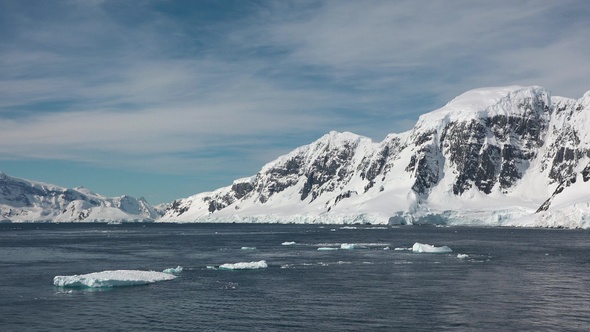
{"points": [[489, 156], [28, 201]]}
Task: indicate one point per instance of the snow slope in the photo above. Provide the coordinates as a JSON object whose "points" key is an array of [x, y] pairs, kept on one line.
{"points": [[491, 156]]}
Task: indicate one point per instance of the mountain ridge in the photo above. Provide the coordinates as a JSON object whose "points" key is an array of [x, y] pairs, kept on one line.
{"points": [[506, 156], [488, 157]]}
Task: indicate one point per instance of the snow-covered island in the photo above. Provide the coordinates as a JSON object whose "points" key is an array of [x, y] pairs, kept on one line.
{"points": [[508, 156]]}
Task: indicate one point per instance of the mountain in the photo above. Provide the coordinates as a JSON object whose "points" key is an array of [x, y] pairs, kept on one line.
{"points": [[491, 156], [25, 200]]}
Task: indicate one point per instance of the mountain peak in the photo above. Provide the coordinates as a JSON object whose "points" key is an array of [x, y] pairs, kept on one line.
{"points": [[486, 102]]}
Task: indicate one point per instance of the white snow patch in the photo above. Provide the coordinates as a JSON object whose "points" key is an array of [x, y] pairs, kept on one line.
{"points": [[112, 279]]}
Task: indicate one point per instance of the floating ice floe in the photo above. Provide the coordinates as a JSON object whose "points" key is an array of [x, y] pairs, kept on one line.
{"points": [[248, 248], [289, 243], [115, 278], [244, 266], [349, 246], [403, 249], [462, 256], [327, 248], [427, 248], [173, 270]]}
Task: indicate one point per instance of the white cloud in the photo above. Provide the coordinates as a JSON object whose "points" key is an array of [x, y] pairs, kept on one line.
{"points": [[140, 88]]}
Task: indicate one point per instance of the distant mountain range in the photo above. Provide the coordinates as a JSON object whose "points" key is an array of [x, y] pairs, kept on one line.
{"points": [[493, 156], [24, 200]]}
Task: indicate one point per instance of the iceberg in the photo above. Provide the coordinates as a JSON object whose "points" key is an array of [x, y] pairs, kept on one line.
{"points": [[244, 266], [173, 270], [427, 248], [462, 256], [115, 278], [289, 243]]}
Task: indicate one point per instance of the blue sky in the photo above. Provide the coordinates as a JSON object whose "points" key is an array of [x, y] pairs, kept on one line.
{"points": [[165, 99]]}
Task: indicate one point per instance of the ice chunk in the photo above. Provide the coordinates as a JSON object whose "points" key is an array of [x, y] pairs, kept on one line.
{"points": [[173, 270], [111, 279], [327, 248], [289, 243], [348, 246], [462, 256], [403, 249], [244, 266], [248, 248], [421, 247]]}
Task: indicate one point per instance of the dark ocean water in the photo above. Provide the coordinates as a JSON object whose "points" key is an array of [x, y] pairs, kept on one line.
{"points": [[512, 279]]}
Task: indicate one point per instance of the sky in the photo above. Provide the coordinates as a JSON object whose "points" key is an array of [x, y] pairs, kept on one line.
{"points": [[164, 99]]}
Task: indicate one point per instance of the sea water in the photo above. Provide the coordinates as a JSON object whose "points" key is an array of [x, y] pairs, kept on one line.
{"points": [[501, 279]]}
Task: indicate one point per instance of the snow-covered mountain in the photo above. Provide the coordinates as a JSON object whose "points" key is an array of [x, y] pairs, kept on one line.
{"points": [[25, 200], [491, 156]]}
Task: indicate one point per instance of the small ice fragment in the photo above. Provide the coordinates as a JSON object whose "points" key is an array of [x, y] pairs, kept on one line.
{"points": [[462, 256], [403, 249], [244, 266], [173, 270], [327, 248], [386, 248], [428, 248], [248, 248], [348, 246], [111, 279], [288, 243]]}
